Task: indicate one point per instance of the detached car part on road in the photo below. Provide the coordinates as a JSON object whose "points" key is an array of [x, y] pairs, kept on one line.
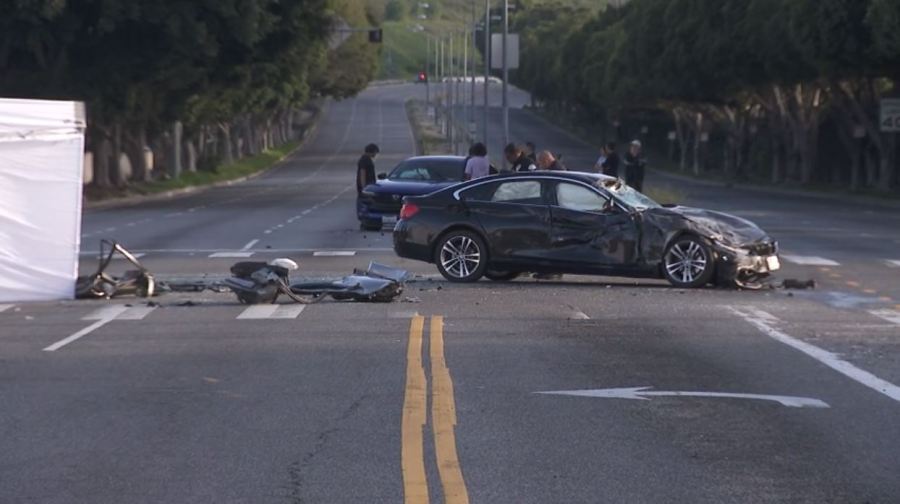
{"points": [[578, 223], [261, 282], [413, 177], [138, 282]]}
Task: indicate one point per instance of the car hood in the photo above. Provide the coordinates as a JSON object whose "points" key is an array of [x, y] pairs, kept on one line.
{"points": [[719, 226], [407, 188]]}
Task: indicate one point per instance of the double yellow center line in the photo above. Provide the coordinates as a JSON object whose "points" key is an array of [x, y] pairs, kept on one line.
{"points": [[443, 417]]}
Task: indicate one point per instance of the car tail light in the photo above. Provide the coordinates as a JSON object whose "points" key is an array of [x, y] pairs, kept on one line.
{"points": [[408, 210]]}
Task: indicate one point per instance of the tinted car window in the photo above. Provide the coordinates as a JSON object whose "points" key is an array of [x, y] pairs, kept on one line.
{"points": [[429, 170], [481, 192], [522, 191], [580, 198]]}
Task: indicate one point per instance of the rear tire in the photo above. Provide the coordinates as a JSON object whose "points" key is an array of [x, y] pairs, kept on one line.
{"points": [[501, 276], [689, 262], [461, 256]]}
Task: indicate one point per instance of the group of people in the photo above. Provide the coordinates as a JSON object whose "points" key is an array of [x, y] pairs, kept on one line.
{"points": [[631, 166], [633, 162], [520, 159]]}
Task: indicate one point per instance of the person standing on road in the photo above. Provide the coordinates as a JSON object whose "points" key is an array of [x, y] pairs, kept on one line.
{"points": [[517, 158], [477, 166], [611, 164], [634, 166], [530, 151], [365, 168], [598, 166], [546, 161]]}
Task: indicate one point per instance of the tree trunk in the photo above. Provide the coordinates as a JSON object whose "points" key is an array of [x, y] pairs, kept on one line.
{"points": [[226, 153], [134, 146], [698, 142], [177, 135], [888, 161], [102, 154]]}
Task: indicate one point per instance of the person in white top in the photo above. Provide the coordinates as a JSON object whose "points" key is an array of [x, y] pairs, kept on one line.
{"points": [[478, 165]]}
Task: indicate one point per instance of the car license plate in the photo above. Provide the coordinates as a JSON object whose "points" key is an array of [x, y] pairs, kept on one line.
{"points": [[389, 220], [773, 263]]}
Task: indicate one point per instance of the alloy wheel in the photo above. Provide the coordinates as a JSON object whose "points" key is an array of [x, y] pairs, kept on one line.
{"points": [[686, 261], [460, 256]]}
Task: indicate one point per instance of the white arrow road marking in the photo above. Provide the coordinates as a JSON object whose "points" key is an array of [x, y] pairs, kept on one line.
{"points": [[765, 322], [809, 260], [102, 316], [894, 263], [334, 253], [250, 244], [892, 316], [644, 393], [271, 311], [4, 307]]}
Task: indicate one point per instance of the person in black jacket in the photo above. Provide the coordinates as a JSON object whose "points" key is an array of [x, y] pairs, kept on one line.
{"points": [[517, 159], [635, 166], [365, 168], [611, 164]]}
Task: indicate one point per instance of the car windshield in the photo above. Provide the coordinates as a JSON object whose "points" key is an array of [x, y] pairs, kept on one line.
{"points": [[628, 195], [429, 170]]}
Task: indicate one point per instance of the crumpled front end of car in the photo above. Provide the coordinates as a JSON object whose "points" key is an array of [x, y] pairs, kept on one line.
{"points": [[746, 266]]}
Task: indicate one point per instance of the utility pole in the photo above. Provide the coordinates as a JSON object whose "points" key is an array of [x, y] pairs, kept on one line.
{"points": [[465, 107], [487, 68], [505, 75], [427, 71], [450, 114], [436, 59], [472, 91]]}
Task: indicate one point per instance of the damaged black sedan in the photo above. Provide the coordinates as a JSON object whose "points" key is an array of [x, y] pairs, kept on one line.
{"points": [[578, 223]]}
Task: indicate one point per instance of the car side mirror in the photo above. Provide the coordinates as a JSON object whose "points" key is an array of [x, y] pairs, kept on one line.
{"points": [[382, 176]]}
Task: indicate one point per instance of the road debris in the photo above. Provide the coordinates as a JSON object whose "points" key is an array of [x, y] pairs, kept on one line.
{"points": [[137, 282]]}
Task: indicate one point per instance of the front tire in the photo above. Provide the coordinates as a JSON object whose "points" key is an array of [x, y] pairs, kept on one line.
{"points": [[689, 262], [461, 256]]}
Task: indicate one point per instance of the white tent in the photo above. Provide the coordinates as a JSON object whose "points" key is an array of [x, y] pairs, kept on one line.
{"points": [[41, 170]]}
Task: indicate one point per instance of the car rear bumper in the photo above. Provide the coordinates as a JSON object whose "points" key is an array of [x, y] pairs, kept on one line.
{"points": [[367, 211], [406, 246]]}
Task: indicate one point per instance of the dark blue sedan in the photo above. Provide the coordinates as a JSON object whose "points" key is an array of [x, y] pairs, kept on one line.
{"points": [[415, 176]]}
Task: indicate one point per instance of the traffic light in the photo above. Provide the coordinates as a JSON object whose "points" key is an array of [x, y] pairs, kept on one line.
{"points": [[375, 35]]}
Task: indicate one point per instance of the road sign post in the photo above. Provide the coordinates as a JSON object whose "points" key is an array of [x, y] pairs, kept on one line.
{"points": [[889, 117]]}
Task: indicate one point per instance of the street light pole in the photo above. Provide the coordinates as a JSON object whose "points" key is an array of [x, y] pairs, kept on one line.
{"points": [[464, 82], [472, 92], [427, 71], [450, 114], [487, 69], [505, 74]]}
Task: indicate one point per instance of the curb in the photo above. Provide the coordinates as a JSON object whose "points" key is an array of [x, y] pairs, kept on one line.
{"points": [[185, 191], [860, 200]]}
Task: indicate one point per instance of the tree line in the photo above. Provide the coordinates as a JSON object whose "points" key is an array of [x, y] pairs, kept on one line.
{"points": [[201, 83], [781, 90]]}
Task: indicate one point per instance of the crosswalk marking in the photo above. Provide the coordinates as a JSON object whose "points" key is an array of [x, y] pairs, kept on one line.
{"points": [[271, 311], [809, 260], [894, 263], [334, 253], [110, 312], [136, 313], [242, 255], [4, 307], [892, 316]]}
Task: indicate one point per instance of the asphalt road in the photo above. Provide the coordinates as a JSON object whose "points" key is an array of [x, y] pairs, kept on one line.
{"points": [[771, 396]]}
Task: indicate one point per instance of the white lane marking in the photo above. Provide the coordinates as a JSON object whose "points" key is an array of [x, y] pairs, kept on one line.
{"points": [[250, 244], [4, 307], [334, 253], [271, 311], [305, 212], [267, 231], [765, 323], [231, 254], [403, 314], [136, 313], [176, 214], [110, 313], [892, 316], [809, 260], [643, 393], [894, 263]]}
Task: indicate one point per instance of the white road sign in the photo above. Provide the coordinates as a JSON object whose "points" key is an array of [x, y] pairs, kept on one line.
{"points": [[890, 115], [512, 51]]}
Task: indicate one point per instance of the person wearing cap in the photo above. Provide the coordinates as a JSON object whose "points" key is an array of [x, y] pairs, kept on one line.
{"points": [[365, 168], [634, 166]]}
